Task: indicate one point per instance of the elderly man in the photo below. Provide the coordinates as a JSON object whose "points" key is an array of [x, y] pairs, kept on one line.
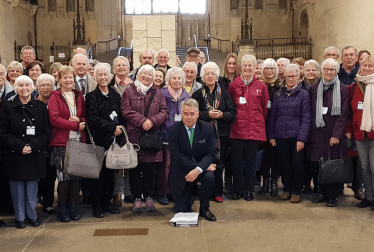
{"points": [[83, 81], [202, 58], [193, 55], [349, 66], [332, 52], [193, 148], [27, 55], [145, 58], [80, 50], [282, 64], [6, 89], [163, 58]]}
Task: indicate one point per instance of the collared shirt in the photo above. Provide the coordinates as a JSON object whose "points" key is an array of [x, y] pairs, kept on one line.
{"points": [[189, 135], [2, 90], [77, 78]]}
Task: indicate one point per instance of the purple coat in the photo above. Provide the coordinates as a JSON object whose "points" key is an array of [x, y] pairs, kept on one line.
{"points": [[289, 116], [133, 105], [319, 139], [173, 108]]}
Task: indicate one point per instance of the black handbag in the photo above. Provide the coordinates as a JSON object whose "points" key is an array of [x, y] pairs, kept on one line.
{"points": [[337, 171], [151, 140]]}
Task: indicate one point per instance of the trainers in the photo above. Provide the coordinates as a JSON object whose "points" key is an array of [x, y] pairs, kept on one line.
{"points": [[149, 205], [138, 206]]}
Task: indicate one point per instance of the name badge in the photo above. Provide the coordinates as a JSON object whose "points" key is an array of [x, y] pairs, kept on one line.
{"points": [[324, 110], [360, 106], [30, 130], [269, 105], [242, 100], [177, 118], [113, 115]]}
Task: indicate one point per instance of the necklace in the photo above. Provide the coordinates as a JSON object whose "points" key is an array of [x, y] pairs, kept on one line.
{"points": [[71, 107]]}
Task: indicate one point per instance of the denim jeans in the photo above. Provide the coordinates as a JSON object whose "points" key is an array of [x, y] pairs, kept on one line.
{"points": [[366, 152]]}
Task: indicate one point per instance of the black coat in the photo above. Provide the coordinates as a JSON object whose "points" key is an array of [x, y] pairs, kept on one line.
{"points": [[226, 106], [99, 107], [13, 124]]}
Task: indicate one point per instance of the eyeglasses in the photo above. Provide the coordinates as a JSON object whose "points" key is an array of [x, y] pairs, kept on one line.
{"points": [[326, 70], [193, 56], [351, 55], [45, 85], [291, 76]]}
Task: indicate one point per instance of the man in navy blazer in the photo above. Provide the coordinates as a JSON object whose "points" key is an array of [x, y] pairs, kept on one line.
{"points": [[193, 147]]}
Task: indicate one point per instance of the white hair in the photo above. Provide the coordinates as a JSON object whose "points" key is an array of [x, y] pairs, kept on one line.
{"points": [[102, 66], [4, 69], [349, 47], [332, 48], [209, 65], [147, 68], [270, 63], [172, 71], [28, 48], [14, 64], [141, 55], [292, 67], [249, 57], [45, 77], [192, 64], [122, 58], [23, 79], [314, 63], [286, 61], [163, 50], [332, 62], [80, 55]]}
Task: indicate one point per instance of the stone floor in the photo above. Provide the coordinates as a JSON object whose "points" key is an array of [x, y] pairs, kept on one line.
{"points": [[266, 224]]}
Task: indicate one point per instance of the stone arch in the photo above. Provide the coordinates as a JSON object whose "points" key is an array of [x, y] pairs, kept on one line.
{"points": [[304, 25]]}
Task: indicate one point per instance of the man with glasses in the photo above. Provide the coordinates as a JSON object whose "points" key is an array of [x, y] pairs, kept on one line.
{"points": [[163, 58], [193, 55], [27, 56], [349, 66], [145, 58]]}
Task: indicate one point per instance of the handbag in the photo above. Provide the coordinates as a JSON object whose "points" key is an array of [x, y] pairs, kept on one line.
{"points": [[337, 171], [125, 157], [151, 140], [84, 160]]}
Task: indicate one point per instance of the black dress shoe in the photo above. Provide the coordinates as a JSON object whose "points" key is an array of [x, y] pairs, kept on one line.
{"points": [[2, 223], [320, 200], [306, 189], [207, 214], [51, 211], [237, 196], [129, 199], [20, 224], [98, 213], [248, 196], [332, 202], [34, 223], [364, 203], [111, 209]]}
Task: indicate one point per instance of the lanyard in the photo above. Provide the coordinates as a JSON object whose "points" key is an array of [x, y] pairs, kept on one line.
{"points": [[23, 111]]}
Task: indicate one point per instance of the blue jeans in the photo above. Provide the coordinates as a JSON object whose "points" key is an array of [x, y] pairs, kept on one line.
{"points": [[25, 198]]}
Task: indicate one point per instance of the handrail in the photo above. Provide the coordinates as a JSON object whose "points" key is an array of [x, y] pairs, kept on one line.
{"points": [[132, 44], [194, 38], [220, 42], [107, 44]]}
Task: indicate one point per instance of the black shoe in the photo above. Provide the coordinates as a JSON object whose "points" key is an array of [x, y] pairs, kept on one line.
{"points": [[20, 224], [2, 223], [98, 213], [63, 213], [274, 188], [237, 196], [111, 209], [74, 216], [316, 189], [129, 199], [51, 211], [359, 195], [306, 189], [34, 223], [265, 187], [364, 203], [207, 214], [248, 196], [320, 200], [332, 202]]}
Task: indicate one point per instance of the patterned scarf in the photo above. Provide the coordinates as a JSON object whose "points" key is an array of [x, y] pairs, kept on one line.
{"points": [[141, 88]]}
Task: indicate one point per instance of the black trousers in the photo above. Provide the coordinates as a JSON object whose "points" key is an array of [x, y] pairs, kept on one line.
{"points": [[218, 173], [270, 167], [102, 188], [47, 185], [331, 191], [142, 180], [183, 201], [244, 176]]}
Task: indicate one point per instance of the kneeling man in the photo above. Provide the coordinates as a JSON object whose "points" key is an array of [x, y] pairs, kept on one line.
{"points": [[193, 148]]}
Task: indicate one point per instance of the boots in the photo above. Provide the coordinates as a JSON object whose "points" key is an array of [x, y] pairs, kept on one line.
{"points": [[228, 184], [315, 170], [63, 214], [74, 216], [274, 188], [265, 187]]}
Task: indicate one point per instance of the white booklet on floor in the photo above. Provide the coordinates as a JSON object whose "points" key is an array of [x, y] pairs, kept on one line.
{"points": [[185, 219]]}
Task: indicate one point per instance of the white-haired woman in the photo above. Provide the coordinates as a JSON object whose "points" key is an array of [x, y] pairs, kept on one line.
{"points": [[217, 108], [312, 73], [251, 98], [103, 111], [6, 88], [282, 63], [24, 134], [133, 107], [174, 95], [330, 114], [191, 85], [14, 70]]}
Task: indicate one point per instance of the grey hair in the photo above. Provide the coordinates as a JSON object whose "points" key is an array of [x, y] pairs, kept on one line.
{"points": [[210, 65], [175, 70], [102, 66], [270, 63], [260, 61], [292, 67], [4, 69], [23, 79], [247, 58], [55, 66], [349, 47], [313, 63], [80, 55], [163, 50], [76, 49], [190, 102], [202, 53], [45, 77], [14, 64], [286, 61], [332, 48], [147, 68], [192, 64], [122, 58], [332, 62], [141, 55], [28, 48]]}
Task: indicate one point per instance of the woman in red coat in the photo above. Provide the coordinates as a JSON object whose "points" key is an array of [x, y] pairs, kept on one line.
{"points": [[66, 109]]}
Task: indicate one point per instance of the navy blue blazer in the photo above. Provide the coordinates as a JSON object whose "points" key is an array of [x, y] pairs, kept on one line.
{"points": [[184, 158]]}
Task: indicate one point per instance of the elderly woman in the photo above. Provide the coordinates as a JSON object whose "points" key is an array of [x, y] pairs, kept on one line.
{"points": [[91, 66], [133, 107], [45, 84], [312, 73], [330, 113], [217, 108], [160, 78], [251, 98], [300, 62], [361, 126], [362, 55], [53, 70], [282, 63], [258, 70], [24, 133], [14, 70], [231, 70], [103, 110], [67, 114], [120, 82], [174, 95], [191, 85], [34, 69], [6, 89], [288, 128]]}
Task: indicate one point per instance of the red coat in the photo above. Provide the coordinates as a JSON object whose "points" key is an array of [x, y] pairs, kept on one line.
{"points": [[59, 115], [249, 123], [354, 124]]}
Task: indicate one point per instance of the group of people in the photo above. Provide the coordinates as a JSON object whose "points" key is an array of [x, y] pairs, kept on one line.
{"points": [[212, 129]]}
